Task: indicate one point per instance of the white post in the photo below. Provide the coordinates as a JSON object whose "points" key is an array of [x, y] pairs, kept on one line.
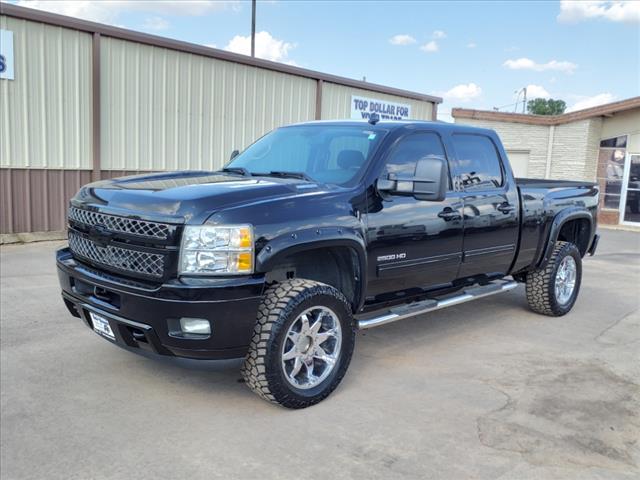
{"points": [[547, 173]]}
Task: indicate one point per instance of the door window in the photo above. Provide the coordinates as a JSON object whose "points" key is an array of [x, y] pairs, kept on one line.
{"points": [[405, 155], [478, 162]]}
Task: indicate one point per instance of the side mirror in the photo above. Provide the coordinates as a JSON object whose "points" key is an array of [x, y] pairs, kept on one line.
{"points": [[429, 182], [234, 154]]}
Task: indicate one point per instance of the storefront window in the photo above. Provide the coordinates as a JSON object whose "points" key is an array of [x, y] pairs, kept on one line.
{"points": [[613, 159], [611, 169], [632, 194], [616, 142]]}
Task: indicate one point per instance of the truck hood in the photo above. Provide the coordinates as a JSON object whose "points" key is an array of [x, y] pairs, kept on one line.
{"points": [[189, 197]]}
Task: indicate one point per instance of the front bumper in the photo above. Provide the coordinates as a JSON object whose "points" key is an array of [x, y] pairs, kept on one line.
{"points": [[141, 315]]}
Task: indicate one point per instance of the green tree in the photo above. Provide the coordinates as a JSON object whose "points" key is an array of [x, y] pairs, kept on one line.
{"points": [[542, 106]]}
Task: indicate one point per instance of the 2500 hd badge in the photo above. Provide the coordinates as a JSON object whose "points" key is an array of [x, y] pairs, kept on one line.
{"points": [[393, 256], [311, 233]]}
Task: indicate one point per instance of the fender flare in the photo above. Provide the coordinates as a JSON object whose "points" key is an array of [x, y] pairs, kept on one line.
{"points": [[554, 230], [315, 239]]}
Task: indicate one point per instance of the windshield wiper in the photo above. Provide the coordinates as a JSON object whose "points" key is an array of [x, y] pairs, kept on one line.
{"points": [[239, 170], [283, 174]]}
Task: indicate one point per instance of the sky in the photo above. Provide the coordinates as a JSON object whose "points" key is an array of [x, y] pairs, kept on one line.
{"points": [[473, 54]]}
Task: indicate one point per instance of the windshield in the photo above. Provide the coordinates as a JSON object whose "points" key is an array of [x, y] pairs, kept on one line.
{"points": [[326, 154]]}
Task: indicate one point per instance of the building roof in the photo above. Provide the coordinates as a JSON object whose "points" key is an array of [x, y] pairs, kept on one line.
{"points": [[606, 110], [155, 40]]}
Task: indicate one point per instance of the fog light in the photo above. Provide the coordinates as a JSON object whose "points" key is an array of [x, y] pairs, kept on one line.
{"points": [[195, 325]]}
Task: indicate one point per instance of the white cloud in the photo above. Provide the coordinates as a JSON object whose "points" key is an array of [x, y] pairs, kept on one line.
{"points": [[464, 92], [155, 23], [615, 11], [431, 46], [402, 40], [108, 11], [471, 45], [267, 47], [528, 64], [588, 102], [537, 91]]}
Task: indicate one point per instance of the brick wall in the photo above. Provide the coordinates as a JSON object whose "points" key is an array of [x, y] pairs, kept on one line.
{"points": [[594, 136], [575, 150]]}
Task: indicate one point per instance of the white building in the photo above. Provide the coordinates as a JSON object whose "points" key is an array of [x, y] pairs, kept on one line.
{"points": [[597, 144]]}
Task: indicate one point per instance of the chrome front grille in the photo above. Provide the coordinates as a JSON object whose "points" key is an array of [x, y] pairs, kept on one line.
{"points": [[140, 228], [133, 261]]}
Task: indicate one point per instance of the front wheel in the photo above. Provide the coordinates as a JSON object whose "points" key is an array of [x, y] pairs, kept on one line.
{"points": [[553, 290], [302, 343]]}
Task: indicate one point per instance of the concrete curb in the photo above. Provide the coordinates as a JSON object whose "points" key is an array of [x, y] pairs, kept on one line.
{"points": [[624, 228], [11, 238]]}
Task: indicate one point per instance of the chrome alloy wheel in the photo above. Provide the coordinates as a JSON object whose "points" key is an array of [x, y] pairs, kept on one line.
{"points": [[565, 279], [311, 347]]}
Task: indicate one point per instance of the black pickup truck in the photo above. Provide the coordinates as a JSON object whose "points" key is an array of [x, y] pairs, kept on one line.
{"points": [[314, 231]]}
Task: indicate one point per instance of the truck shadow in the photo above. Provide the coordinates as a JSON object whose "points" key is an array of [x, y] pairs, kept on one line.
{"points": [[406, 338]]}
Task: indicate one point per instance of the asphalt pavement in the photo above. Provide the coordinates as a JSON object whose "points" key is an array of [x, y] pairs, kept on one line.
{"points": [[487, 389]]}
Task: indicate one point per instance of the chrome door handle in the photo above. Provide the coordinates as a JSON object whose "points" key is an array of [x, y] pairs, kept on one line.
{"points": [[506, 208], [449, 215]]}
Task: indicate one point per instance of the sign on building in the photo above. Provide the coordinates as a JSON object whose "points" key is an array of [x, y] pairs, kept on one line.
{"points": [[6, 54], [362, 108]]}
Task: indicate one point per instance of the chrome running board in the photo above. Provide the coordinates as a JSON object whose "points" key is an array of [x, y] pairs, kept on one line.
{"points": [[429, 305]]}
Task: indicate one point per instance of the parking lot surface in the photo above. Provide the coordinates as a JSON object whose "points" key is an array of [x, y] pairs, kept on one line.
{"points": [[487, 389]]}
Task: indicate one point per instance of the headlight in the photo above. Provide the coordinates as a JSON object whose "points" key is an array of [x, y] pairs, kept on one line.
{"points": [[216, 250]]}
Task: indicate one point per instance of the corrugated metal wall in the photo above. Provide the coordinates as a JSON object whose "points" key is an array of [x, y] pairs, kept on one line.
{"points": [[160, 109], [209, 107], [46, 111], [336, 102], [35, 200]]}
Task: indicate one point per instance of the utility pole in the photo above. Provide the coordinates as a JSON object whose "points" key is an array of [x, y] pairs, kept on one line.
{"points": [[253, 28], [524, 102]]}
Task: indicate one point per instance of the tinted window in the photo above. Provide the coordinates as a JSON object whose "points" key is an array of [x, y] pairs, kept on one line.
{"points": [[478, 162], [405, 156], [617, 142], [331, 154]]}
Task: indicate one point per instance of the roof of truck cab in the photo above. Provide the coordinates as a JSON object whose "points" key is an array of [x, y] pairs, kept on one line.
{"points": [[389, 125]]}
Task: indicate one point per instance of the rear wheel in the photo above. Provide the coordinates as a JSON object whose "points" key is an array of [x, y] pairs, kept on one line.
{"points": [[302, 343], [553, 290]]}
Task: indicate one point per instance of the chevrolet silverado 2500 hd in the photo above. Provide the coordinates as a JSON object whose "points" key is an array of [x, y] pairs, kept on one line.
{"points": [[314, 231]]}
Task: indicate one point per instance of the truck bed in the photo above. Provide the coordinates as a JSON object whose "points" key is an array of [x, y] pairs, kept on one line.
{"points": [[541, 200]]}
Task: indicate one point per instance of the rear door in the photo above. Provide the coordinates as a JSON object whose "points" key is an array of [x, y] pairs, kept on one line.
{"points": [[491, 208], [412, 243]]}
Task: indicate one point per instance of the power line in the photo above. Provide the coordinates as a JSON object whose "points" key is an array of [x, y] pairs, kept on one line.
{"points": [[505, 106]]}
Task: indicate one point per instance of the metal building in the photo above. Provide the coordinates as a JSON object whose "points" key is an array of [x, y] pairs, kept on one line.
{"points": [[88, 101]]}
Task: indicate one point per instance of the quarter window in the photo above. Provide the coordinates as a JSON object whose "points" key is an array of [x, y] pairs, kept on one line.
{"points": [[477, 162]]}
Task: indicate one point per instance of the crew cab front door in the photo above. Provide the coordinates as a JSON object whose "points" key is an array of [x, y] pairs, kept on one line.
{"points": [[412, 243], [491, 206]]}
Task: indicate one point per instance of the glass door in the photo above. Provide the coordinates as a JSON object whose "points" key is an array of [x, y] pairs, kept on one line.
{"points": [[630, 199]]}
